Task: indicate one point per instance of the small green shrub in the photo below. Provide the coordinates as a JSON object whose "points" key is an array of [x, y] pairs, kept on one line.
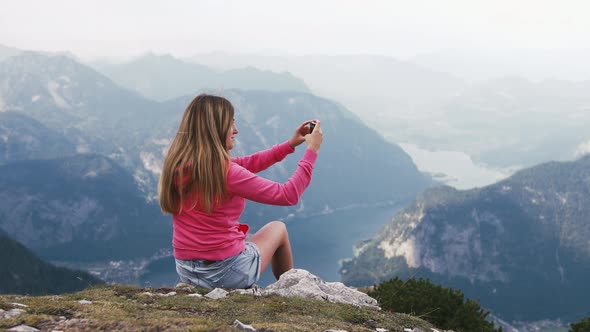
{"points": [[581, 326], [444, 307]]}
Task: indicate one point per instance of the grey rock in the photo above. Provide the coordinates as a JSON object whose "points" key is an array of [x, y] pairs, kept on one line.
{"points": [[297, 282], [167, 294], [254, 290], [195, 295], [85, 302], [10, 313], [334, 331], [146, 294], [217, 293], [371, 323], [23, 328], [243, 327], [379, 329], [19, 305]]}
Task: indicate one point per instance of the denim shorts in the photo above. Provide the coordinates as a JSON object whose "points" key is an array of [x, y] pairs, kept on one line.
{"points": [[235, 272]]}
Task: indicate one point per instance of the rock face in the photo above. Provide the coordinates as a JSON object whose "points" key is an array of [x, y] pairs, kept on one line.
{"points": [[10, 313], [22, 138], [297, 282], [79, 208]]}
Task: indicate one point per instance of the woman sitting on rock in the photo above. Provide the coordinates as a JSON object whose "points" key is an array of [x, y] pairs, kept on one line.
{"points": [[205, 191]]}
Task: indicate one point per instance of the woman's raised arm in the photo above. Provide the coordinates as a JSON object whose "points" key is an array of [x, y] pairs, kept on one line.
{"points": [[244, 183]]}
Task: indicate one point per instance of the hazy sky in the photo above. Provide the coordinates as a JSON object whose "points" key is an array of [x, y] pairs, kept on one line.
{"points": [[397, 28]]}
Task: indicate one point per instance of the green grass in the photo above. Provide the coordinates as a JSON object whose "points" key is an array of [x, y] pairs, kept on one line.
{"points": [[125, 308]]}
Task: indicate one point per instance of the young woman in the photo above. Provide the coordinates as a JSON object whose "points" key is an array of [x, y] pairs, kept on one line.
{"points": [[205, 191]]}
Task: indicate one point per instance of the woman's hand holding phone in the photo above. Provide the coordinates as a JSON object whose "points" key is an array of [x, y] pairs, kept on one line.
{"points": [[315, 138], [302, 130]]}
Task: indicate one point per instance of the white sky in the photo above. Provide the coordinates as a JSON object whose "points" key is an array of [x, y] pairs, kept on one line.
{"points": [[397, 28]]}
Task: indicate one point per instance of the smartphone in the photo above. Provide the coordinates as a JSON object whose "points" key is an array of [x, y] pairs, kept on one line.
{"points": [[311, 127]]}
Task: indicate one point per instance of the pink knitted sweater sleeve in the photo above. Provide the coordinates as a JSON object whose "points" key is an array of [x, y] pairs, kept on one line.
{"points": [[262, 160], [242, 182]]}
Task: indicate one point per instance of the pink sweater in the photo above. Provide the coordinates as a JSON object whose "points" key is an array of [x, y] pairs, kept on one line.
{"points": [[219, 235]]}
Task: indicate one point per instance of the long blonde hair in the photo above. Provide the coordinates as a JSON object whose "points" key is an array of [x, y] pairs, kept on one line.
{"points": [[196, 163]]}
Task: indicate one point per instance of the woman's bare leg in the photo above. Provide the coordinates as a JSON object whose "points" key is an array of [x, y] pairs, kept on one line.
{"points": [[273, 242]]}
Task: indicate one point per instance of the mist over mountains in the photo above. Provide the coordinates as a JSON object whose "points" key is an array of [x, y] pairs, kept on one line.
{"points": [[533, 64], [162, 77], [6, 52], [501, 120], [370, 86], [64, 94], [512, 122]]}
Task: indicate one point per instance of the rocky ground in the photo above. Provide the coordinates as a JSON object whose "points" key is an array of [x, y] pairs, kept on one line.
{"points": [[306, 304]]}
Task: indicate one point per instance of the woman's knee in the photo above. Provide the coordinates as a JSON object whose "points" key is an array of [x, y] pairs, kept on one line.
{"points": [[279, 226]]}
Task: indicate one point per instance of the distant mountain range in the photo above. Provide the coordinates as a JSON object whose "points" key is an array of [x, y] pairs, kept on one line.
{"points": [[505, 121], [6, 52], [520, 245], [81, 105], [75, 100], [374, 87], [512, 121], [24, 273], [162, 77]]}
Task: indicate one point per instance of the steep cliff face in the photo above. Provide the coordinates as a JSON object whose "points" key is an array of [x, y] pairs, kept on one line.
{"points": [[520, 245], [84, 207], [22, 138], [74, 100]]}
